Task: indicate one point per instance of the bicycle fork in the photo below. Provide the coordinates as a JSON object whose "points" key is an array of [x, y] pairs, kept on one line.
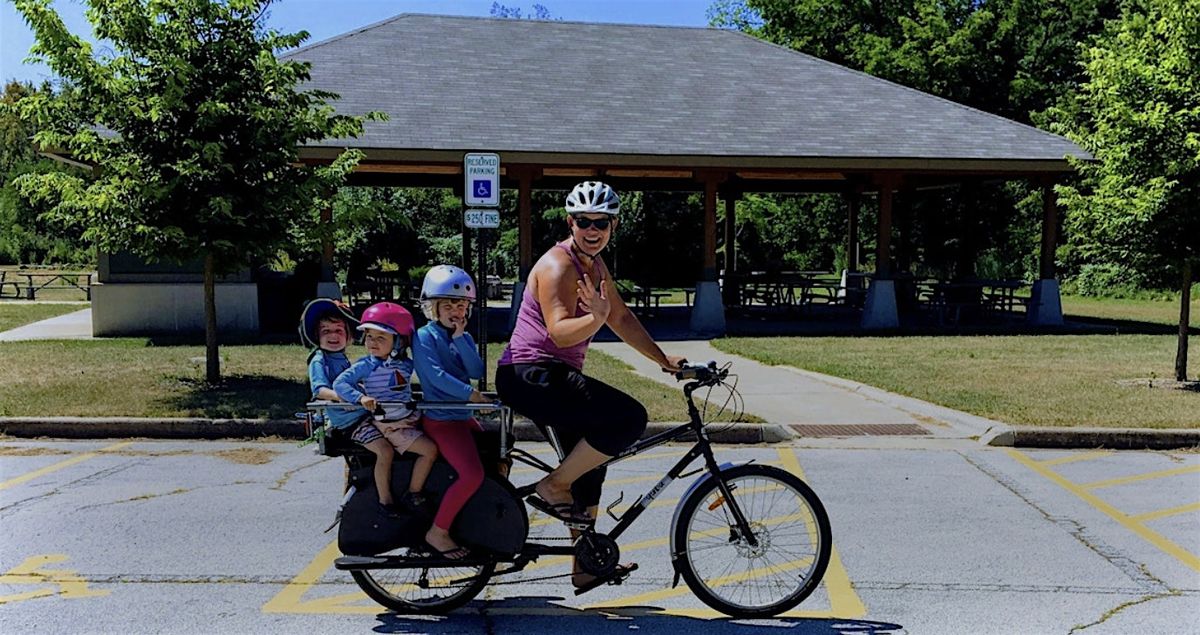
{"points": [[740, 529]]}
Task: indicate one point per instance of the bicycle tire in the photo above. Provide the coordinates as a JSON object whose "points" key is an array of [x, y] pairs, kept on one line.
{"points": [[397, 589], [724, 571]]}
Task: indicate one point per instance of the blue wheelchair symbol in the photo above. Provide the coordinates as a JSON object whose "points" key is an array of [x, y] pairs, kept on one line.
{"points": [[483, 189]]}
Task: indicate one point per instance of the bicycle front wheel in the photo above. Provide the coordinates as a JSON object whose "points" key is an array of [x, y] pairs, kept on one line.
{"points": [[791, 547], [433, 590]]}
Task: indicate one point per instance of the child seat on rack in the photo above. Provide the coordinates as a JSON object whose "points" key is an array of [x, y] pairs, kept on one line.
{"points": [[493, 520]]}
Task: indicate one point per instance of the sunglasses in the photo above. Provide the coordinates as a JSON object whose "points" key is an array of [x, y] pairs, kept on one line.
{"points": [[582, 222]]}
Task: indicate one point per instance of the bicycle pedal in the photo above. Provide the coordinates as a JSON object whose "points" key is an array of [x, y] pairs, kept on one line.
{"points": [[617, 577]]}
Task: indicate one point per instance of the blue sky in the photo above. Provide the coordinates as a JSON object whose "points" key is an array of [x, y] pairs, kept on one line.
{"points": [[326, 18]]}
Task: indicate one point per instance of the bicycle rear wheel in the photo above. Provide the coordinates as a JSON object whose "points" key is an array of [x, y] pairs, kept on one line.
{"points": [[424, 590], [729, 574]]}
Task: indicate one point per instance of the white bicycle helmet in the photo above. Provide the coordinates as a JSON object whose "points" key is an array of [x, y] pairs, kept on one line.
{"points": [[593, 197]]}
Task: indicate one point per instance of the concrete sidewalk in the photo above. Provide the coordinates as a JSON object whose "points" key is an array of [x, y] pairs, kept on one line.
{"points": [[69, 326], [816, 407], [794, 404]]}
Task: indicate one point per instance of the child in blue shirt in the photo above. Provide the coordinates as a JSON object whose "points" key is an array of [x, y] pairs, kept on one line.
{"points": [[325, 326], [383, 376], [447, 361]]}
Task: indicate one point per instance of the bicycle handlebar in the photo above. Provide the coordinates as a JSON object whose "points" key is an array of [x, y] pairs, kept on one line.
{"points": [[704, 373]]}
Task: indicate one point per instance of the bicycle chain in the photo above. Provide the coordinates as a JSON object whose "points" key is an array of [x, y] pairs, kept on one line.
{"points": [[524, 580]]}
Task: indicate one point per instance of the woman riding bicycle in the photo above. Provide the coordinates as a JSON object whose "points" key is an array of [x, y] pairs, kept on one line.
{"points": [[569, 295]]}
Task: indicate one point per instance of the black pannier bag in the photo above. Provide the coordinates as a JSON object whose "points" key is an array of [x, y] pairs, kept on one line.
{"points": [[493, 521]]}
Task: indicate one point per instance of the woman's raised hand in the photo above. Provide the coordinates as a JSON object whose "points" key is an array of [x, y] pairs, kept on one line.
{"points": [[592, 301]]}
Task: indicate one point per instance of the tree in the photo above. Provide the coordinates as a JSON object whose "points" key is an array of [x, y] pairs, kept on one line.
{"points": [[24, 236], [193, 125], [1138, 113], [540, 12], [1013, 58]]}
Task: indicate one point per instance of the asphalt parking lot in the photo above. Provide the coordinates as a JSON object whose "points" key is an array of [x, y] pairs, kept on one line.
{"points": [[930, 536]]}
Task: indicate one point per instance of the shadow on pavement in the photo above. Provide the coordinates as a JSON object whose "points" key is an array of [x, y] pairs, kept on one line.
{"points": [[530, 617]]}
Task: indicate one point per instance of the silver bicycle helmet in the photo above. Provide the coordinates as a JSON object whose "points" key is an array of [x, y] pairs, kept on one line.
{"points": [[593, 197], [445, 282]]}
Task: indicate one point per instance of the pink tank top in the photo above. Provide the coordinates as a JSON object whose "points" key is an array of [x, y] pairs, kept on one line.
{"points": [[531, 342]]}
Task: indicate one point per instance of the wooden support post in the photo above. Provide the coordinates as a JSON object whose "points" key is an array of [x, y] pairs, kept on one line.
{"points": [[904, 223], [730, 290], [525, 223], [1049, 230], [709, 272], [326, 244], [853, 199], [883, 239]]}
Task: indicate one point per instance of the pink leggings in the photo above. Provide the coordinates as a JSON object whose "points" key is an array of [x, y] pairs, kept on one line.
{"points": [[455, 443]]}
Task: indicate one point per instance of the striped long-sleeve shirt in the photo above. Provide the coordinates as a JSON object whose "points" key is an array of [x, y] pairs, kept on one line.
{"points": [[387, 380]]}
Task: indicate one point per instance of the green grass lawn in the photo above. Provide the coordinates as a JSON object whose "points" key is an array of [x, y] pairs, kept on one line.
{"points": [[129, 377], [1057, 380], [14, 314], [1148, 311]]}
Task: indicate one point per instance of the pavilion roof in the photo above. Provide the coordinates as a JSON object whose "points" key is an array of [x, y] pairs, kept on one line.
{"points": [[650, 95]]}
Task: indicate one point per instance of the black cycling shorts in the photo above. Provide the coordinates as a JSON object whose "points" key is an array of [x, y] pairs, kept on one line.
{"points": [[578, 407]]}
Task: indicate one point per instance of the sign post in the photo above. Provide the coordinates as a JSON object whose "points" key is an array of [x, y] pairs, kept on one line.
{"points": [[481, 189]]}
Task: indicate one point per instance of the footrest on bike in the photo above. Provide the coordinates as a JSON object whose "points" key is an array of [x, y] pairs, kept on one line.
{"points": [[417, 561], [616, 577]]}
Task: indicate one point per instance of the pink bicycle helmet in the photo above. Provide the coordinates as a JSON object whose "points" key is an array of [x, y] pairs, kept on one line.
{"points": [[389, 318]]}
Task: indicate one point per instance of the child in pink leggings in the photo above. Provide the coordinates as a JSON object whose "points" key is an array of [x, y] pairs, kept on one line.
{"points": [[446, 361]]}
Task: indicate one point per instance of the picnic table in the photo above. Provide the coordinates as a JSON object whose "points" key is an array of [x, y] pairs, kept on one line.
{"points": [[792, 289], [35, 281], [963, 300], [645, 298], [381, 286]]}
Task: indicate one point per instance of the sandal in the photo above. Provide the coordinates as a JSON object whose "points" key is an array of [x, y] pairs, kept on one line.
{"points": [[565, 512], [457, 553], [617, 576]]}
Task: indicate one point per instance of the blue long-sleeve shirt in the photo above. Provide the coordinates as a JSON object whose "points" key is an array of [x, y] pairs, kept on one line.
{"points": [[323, 368], [446, 366], [383, 379]]}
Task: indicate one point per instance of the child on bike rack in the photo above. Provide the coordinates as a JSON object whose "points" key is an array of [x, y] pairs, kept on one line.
{"points": [[447, 361], [325, 326], [383, 376]]}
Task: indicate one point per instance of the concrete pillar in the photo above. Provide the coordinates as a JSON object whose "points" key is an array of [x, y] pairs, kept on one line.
{"points": [[1045, 303], [879, 311], [708, 312]]}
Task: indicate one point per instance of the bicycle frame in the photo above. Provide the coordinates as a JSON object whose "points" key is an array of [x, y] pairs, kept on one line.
{"points": [[702, 448], [531, 551]]}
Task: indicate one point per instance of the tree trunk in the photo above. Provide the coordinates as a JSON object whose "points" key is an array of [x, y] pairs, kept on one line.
{"points": [[1185, 302], [211, 356]]}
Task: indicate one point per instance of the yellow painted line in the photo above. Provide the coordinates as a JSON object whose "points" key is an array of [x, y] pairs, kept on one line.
{"points": [[291, 598], [543, 520], [843, 601], [61, 464], [1072, 458], [31, 571], [655, 477], [674, 454], [683, 589], [1147, 534], [1163, 513], [1191, 469]]}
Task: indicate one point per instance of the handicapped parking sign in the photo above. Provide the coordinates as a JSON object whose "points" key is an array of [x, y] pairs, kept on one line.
{"points": [[481, 172], [482, 189]]}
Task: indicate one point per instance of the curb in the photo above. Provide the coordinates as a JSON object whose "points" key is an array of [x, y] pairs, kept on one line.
{"points": [[183, 428], [1108, 438]]}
